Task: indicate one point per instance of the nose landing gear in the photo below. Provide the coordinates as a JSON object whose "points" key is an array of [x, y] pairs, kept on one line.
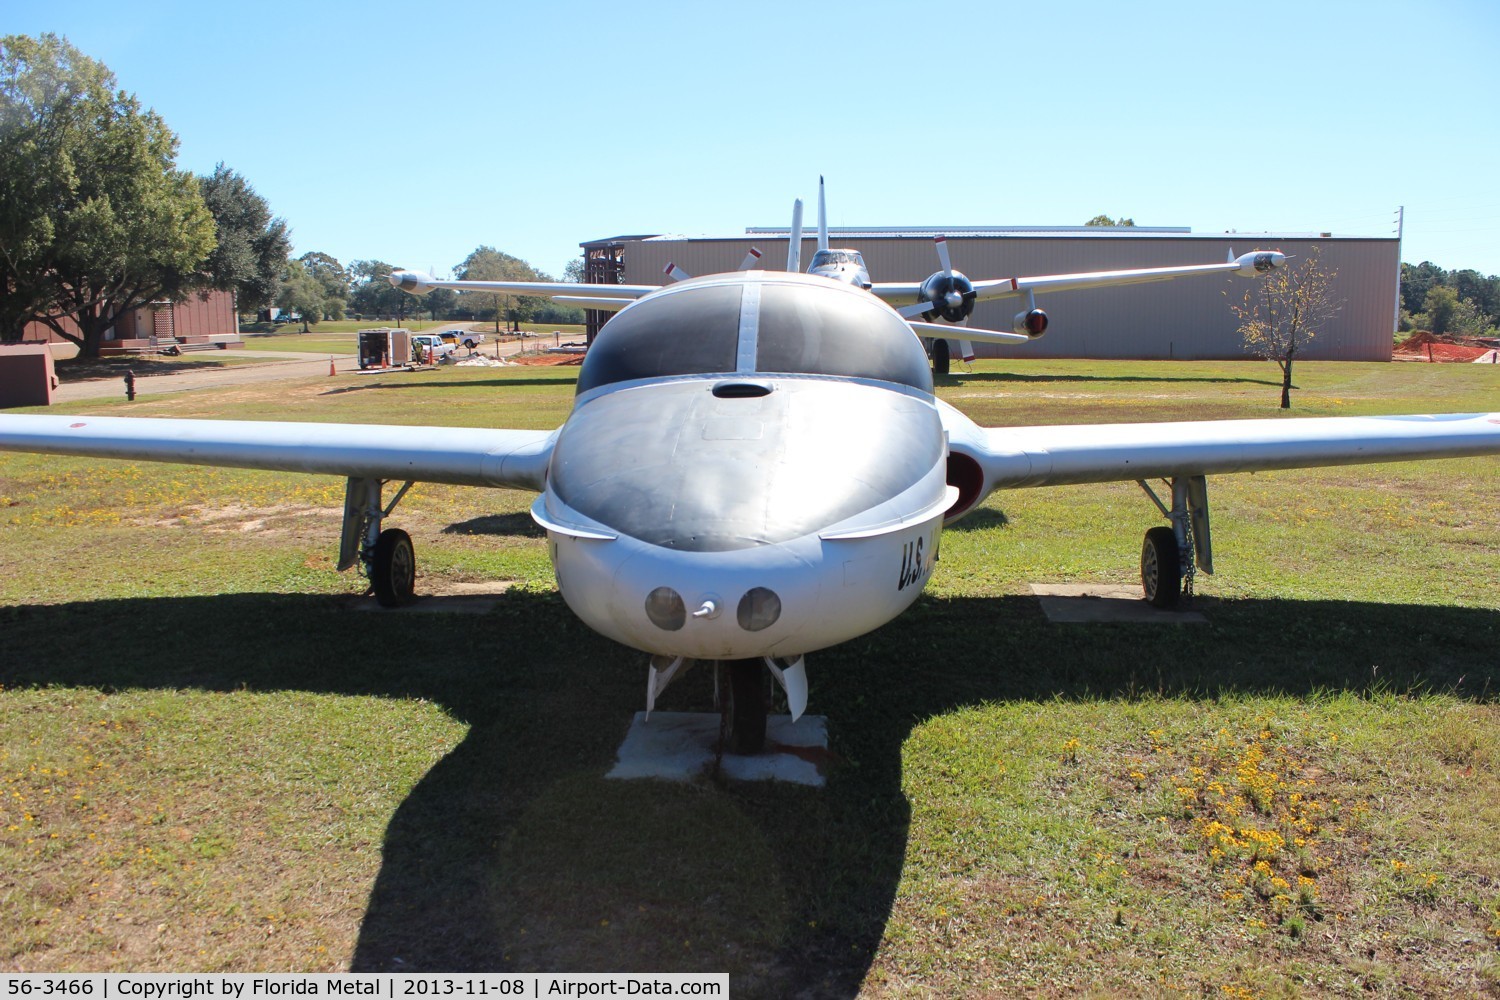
{"points": [[741, 694]]}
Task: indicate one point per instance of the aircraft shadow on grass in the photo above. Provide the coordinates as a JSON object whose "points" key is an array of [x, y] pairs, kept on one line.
{"points": [[514, 854], [959, 378], [518, 525], [478, 383]]}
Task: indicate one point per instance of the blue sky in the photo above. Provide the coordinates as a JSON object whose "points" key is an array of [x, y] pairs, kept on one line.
{"points": [[415, 132]]}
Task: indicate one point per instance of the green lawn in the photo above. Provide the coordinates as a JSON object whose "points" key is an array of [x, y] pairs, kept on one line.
{"points": [[212, 761]]}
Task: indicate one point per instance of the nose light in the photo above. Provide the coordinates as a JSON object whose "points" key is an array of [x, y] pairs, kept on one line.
{"points": [[758, 609], [665, 609]]}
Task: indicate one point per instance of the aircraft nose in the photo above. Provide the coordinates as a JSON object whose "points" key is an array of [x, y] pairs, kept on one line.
{"points": [[744, 462]]}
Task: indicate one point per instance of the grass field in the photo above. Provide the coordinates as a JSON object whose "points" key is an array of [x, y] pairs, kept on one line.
{"points": [[211, 760]]}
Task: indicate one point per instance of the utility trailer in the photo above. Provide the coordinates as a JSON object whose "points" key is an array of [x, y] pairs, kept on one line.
{"points": [[384, 347]]}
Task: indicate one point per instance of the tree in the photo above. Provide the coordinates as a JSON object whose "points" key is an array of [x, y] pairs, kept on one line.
{"points": [[95, 219], [252, 249], [489, 264], [1416, 281], [1104, 220], [574, 271], [301, 294], [330, 274], [1438, 309], [1283, 311], [373, 294], [439, 302]]}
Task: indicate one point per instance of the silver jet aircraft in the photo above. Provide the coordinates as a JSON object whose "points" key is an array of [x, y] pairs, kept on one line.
{"points": [[755, 467]]}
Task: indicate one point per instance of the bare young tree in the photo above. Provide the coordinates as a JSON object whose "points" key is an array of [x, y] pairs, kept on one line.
{"points": [[1284, 310]]}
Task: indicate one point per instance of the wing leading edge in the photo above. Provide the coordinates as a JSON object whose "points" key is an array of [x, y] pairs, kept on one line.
{"points": [[1245, 265], [515, 459], [1014, 457]]}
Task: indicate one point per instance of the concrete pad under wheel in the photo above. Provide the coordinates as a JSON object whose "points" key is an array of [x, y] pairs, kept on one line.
{"points": [[679, 746], [1083, 603]]}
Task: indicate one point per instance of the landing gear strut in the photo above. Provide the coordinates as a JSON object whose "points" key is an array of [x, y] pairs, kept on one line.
{"points": [[745, 707], [741, 693], [941, 358], [385, 557], [1171, 555]]}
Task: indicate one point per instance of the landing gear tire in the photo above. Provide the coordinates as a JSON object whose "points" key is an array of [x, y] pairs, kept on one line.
{"points": [[941, 360], [1161, 568], [393, 569], [745, 711]]}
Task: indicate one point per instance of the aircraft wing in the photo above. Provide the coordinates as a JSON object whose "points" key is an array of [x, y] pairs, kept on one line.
{"points": [[463, 456], [1246, 265], [1014, 457], [420, 284]]}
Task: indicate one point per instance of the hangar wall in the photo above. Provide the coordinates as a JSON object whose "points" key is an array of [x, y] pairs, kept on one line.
{"points": [[1187, 318]]}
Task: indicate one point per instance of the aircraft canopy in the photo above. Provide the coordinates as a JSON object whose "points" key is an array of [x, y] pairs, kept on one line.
{"points": [[757, 323]]}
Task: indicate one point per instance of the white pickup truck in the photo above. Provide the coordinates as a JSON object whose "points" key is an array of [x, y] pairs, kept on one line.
{"points": [[422, 343], [463, 338]]}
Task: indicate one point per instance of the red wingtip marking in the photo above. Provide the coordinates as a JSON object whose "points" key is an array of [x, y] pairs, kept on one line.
{"points": [[77, 425], [1013, 286]]}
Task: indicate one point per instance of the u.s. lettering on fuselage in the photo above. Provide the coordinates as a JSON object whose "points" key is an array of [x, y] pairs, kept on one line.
{"points": [[916, 562]]}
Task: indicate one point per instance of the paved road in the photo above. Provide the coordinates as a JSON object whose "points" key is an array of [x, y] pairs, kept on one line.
{"points": [[276, 365]]}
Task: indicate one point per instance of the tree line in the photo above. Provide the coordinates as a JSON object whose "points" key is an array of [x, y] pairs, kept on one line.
{"points": [[316, 286], [1458, 302], [96, 221]]}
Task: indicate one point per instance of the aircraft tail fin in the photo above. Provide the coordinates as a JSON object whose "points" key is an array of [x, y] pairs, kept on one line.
{"points": [[822, 217], [794, 240]]}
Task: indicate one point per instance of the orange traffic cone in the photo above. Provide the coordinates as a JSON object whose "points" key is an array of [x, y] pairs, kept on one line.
{"points": [[330, 367]]}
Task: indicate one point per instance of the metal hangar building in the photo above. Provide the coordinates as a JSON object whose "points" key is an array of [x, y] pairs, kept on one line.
{"points": [[1186, 319]]}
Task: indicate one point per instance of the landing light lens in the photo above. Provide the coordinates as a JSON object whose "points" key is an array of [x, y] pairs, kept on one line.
{"points": [[759, 609], [665, 609]]}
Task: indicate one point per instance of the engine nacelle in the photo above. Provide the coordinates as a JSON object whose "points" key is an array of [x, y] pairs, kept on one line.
{"points": [[1032, 323], [951, 295], [1258, 262], [411, 281]]}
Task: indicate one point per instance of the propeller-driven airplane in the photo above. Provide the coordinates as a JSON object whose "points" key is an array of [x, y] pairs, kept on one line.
{"points": [[756, 467]]}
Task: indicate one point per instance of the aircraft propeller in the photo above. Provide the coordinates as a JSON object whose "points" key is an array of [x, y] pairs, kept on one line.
{"points": [[947, 293]]}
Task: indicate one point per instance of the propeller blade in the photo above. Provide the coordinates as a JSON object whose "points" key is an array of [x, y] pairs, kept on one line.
{"points": [[751, 260], [674, 272], [941, 242], [909, 312]]}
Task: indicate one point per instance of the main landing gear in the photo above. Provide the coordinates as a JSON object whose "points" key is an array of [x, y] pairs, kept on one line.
{"points": [[741, 693], [942, 361], [1171, 555], [385, 557]]}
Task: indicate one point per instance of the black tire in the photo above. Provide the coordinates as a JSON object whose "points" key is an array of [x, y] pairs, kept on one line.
{"points": [[469, 344], [393, 570], [942, 361], [746, 711], [1161, 568]]}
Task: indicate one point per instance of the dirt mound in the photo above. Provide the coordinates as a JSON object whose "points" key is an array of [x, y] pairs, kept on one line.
{"points": [[550, 360], [1439, 347]]}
